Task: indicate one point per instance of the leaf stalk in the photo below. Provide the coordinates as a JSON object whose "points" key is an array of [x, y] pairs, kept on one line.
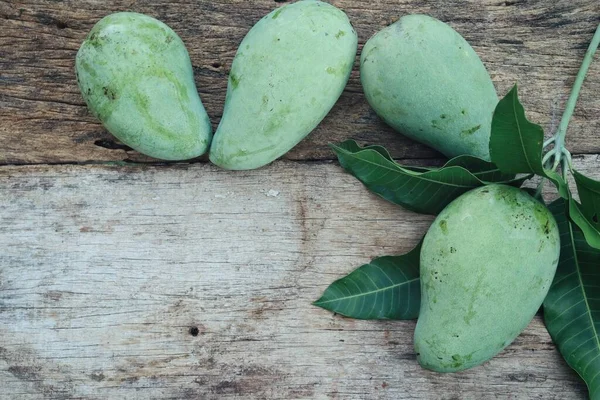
{"points": [[559, 155]]}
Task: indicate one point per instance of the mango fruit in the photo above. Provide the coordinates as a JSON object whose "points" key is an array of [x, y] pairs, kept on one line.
{"points": [[288, 72], [136, 77], [425, 81], [487, 263]]}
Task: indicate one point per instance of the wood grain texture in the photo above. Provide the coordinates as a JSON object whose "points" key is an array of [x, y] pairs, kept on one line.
{"points": [[188, 282], [149, 282], [43, 118]]}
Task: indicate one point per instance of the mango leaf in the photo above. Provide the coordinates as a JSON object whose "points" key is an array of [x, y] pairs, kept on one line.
{"points": [[575, 210], [421, 190], [572, 307], [559, 182], [484, 170], [591, 234], [589, 194], [353, 147], [516, 144], [386, 288]]}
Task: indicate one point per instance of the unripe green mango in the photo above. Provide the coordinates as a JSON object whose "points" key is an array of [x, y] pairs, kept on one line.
{"points": [[136, 76], [288, 72], [487, 263], [425, 81]]}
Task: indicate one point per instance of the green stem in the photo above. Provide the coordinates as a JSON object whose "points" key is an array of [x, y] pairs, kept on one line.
{"points": [[540, 189], [559, 142]]}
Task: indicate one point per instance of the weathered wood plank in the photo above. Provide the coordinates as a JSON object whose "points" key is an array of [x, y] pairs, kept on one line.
{"points": [[191, 282], [43, 118]]}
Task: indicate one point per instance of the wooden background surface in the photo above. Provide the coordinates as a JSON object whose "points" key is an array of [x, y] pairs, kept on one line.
{"points": [[146, 280]]}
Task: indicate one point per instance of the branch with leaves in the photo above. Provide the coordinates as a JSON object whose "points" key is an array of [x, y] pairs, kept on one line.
{"points": [[388, 287]]}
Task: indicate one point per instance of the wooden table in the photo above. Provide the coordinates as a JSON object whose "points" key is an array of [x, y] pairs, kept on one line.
{"points": [[122, 277]]}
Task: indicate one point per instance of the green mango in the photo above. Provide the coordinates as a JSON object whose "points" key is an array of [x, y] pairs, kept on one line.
{"points": [[288, 72], [136, 77], [425, 81], [487, 263]]}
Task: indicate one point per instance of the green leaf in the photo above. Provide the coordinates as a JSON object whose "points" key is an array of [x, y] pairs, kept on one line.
{"points": [[352, 147], [484, 170], [589, 195], [572, 307], [386, 288], [421, 190], [559, 182], [575, 210], [591, 234], [515, 143]]}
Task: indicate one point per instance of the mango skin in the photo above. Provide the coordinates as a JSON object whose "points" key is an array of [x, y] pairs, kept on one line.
{"points": [[487, 263], [136, 77], [425, 81], [288, 72]]}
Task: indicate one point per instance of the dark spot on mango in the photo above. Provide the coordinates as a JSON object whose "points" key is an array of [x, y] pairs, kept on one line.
{"points": [[470, 315], [108, 92], [444, 226], [470, 131], [277, 13], [434, 124], [340, 34], [547, 227], [235, 80]]}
